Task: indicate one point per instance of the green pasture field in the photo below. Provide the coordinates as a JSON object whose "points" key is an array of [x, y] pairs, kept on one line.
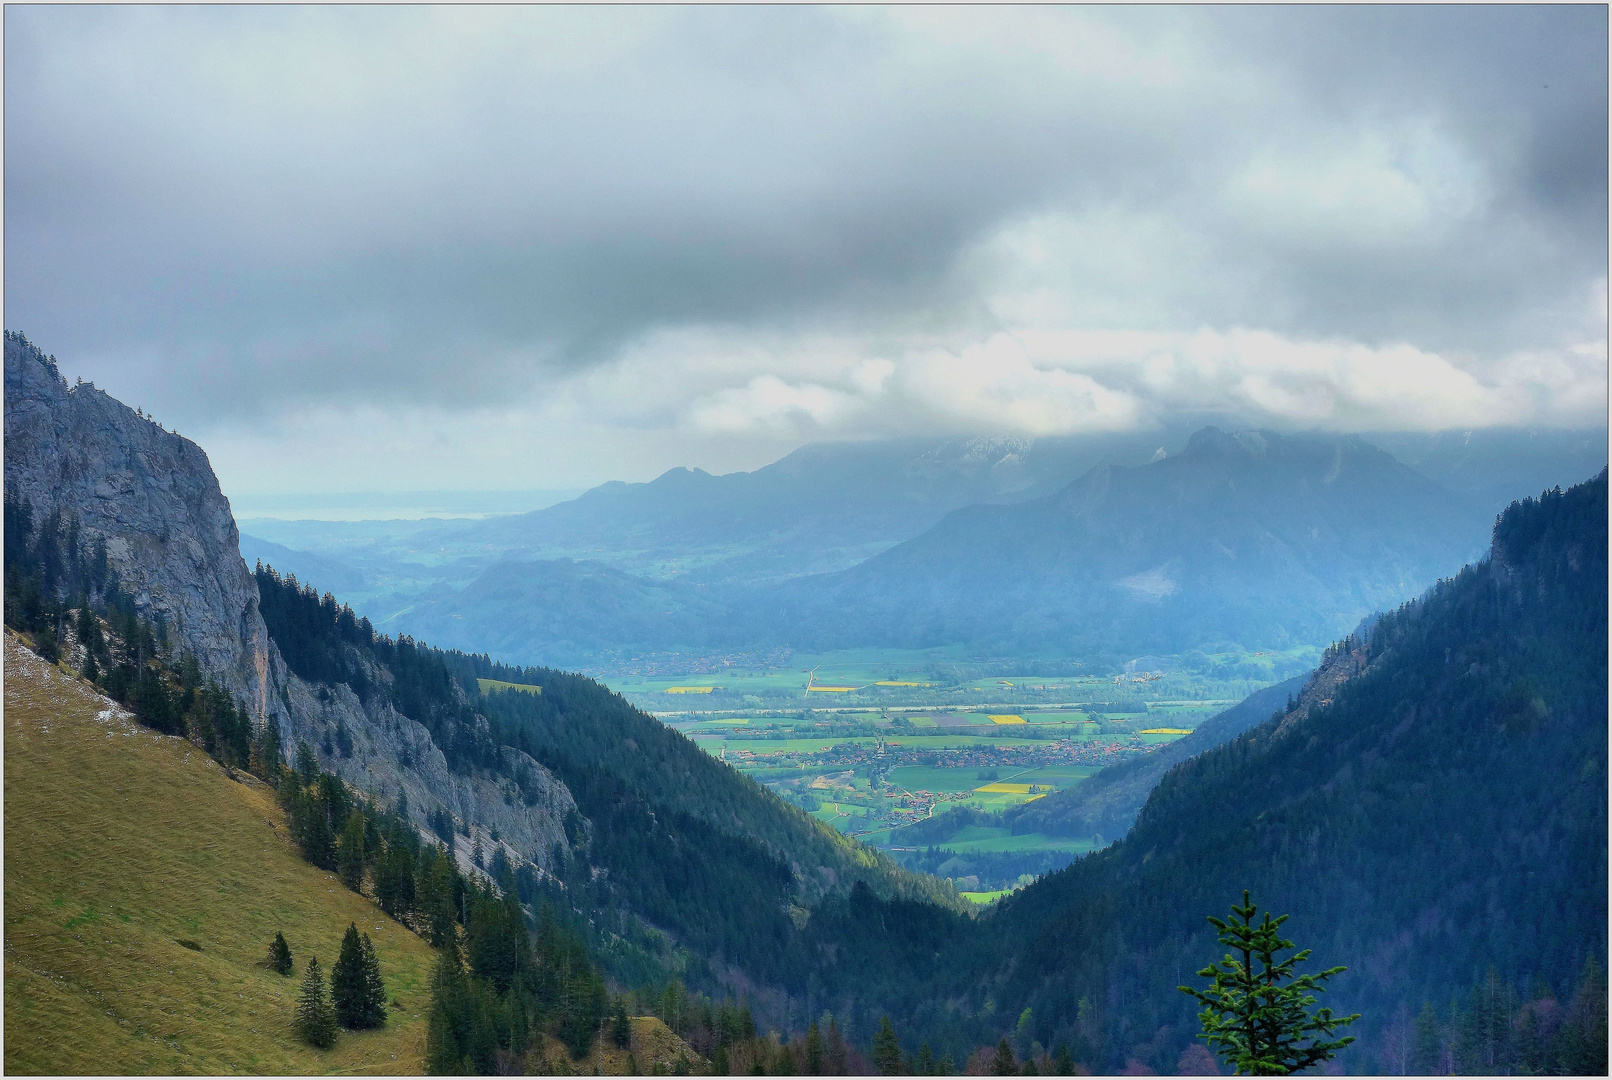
{"points": [[934, 778], [996, 800], [1200, 685], [1068, 716], [713, 741], [769, 747], [829, 811], [122, 846], [986, 897], [1058, 776], [851, 667]]}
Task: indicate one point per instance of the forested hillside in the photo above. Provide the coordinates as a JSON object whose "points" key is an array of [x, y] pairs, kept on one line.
{"points": [[1443, 815], [667, 838]]}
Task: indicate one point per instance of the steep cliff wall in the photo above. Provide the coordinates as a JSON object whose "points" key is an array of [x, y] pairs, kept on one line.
{"points": [[152, 496], [172, 541]]}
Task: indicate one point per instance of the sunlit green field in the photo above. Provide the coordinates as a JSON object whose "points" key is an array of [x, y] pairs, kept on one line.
{"points": [[932, 778], [986, 897]]}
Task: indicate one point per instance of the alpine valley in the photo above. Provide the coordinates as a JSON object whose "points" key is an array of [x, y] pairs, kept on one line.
{"points": [[1172, 665]]}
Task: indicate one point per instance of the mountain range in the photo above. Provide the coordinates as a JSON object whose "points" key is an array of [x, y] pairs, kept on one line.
{"points": [[679, 563], [1254, 539]]}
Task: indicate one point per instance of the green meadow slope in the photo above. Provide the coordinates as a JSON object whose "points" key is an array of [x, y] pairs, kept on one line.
{"points": [[121, 843]]}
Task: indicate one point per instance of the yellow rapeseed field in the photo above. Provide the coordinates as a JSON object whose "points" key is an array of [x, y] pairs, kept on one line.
{"points": [[1007, 718]]}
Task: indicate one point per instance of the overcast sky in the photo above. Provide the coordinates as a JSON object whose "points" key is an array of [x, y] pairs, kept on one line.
{"points": [[401, 248]]}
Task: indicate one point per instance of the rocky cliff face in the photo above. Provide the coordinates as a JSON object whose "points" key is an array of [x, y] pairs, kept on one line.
{"points": [[153, 497], [172, 541]]}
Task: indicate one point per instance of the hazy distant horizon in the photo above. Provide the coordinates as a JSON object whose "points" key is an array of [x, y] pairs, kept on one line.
{"points": [[381, 505]]}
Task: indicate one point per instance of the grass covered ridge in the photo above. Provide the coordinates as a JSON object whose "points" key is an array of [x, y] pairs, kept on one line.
{"points": [[120, 845]]}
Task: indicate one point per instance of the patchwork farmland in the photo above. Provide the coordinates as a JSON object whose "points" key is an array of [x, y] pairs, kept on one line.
{"points": [[874, 741]]}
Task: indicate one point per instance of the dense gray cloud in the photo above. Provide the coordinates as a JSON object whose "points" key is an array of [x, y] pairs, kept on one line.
{"points": [[729, 229]]}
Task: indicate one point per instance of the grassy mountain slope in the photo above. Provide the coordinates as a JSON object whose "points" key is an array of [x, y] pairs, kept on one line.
{"points": [[121, 843], [1443, 811]]}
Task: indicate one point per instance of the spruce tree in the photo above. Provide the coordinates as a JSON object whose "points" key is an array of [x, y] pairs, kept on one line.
{"points": [[837, 1059], [814, 1050], [445, 1037], [1249, 1015], [1004, 1063], [886, 1049], [1063, 1062], [350, 851], [1426, 1046], [926, 1061], [374, 988], [620, 1029], [316, 1020], [280, 955], [349, 984]]}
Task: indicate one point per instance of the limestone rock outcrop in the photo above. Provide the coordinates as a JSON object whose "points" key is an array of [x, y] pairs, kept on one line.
{"points": [[152, 496], [171, 539]]}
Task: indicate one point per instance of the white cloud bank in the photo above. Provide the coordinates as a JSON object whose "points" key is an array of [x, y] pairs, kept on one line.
{"points": [[374, 247]]}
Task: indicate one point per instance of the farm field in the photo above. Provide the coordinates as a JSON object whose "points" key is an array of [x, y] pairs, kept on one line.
{"points": [[895, 678], [986, 897], [888, 738]]}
